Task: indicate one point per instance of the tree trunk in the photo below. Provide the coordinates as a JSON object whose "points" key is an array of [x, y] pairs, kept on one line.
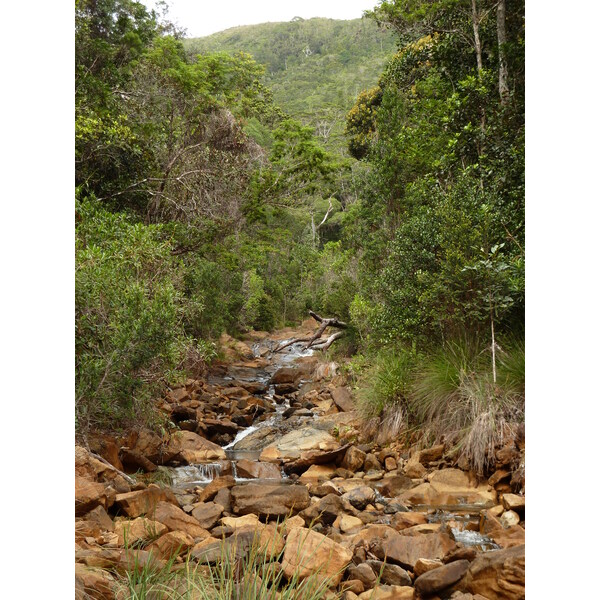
{"points": [[477, 40], [503, 64]]}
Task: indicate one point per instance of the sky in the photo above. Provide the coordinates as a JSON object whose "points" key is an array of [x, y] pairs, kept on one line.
{"points": [[203, 17]]}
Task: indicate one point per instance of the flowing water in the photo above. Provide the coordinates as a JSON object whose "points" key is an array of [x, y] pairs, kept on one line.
{"points": [[461, 520]]}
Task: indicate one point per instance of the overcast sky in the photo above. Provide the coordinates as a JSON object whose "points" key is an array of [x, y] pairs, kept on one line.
{"points": [[203, 17]]}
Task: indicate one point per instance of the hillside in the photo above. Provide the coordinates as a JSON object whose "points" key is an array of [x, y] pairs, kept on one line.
{"points": [[314, 67]]}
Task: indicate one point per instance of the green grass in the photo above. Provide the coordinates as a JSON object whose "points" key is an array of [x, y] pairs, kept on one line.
{"points": [[447, 395], [243, 572], [455, 398]]}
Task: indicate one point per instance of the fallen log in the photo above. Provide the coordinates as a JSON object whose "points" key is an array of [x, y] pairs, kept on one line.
{"points": [[315, 341]]}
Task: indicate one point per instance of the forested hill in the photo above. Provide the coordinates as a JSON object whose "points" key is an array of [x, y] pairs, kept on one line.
{"points": [[314, 67]]}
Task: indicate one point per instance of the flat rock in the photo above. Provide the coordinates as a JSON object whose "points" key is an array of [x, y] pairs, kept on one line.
{"points": [[292, 445], [406, 550], [269, 500], [388, 592], [251, 469]]}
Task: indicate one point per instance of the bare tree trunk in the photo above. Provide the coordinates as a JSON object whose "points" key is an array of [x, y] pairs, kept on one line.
{"points": [[503, 66], [477, 40], [493, 339]]}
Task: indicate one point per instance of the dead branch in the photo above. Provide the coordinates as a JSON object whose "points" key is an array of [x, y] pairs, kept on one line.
{"points": [[315, 340]]}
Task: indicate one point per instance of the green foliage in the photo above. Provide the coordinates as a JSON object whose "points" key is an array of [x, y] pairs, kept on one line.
{"points": [[315, 67]]}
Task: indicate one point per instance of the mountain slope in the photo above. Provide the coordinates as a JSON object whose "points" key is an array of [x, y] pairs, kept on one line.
{"points": [[315, 67]]}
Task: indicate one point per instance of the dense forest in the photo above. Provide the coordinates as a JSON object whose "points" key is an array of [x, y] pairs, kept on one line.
{"points": [[208, 200]]}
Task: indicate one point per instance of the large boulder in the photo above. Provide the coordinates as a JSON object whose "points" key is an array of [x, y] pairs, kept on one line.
{"points": [[497, 575], [269, 500], [89, 494], [308, 553], [256, 470], [176, 520], [93, 584], [141, 502], [405, 550], [441, 578], [292, 445], [343, 399], [450, 487], [190, 448]]}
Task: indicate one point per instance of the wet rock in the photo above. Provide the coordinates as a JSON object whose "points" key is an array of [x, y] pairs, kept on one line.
{"points": [[439, 579], [497, 575], [269, 500], [207, 514], [286, 375], [354, 459], [310, 553]]}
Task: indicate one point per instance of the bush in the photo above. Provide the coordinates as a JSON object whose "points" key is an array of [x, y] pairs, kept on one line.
{"points": [[130, 310]]}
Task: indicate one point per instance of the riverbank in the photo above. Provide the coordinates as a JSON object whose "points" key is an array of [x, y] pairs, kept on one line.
{"points": [[268, 451]]}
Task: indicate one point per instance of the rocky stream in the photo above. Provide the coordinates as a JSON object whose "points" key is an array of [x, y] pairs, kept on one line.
{"points": [[268, 446]]}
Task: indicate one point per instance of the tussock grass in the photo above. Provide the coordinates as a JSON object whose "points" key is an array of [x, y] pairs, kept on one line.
{"points": [[455, 399], [448, 395], [383, 397]]}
